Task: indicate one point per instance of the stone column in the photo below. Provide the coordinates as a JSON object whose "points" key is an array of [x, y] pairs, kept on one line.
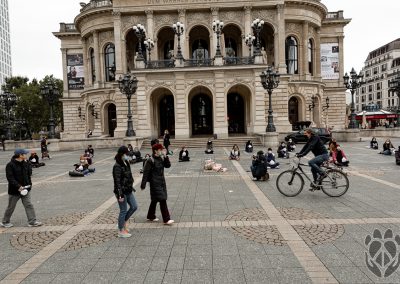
{"points": [[220, 111], [247, 29], [259, 105], [118, 43], [182, 107], [65, 71], [184, 43], [304, 53], [150, 32], [213, 37], [280, 62], [341, 60], [317, 58], [86, 64], [96, 48]]}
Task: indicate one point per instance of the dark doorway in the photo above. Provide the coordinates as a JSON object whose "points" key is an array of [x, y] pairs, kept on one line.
{"points": [[167, 115], [236, 113], [293, 106], [202, 115], [112, 119]]}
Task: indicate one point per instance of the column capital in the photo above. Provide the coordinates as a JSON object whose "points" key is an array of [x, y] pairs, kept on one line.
{"points": [[149, 13], [116, 13], [280, 7], [247, 9], [181, 12], [214, 11]]}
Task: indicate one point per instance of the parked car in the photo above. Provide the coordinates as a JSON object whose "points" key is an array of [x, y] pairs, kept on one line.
{"points": [[299, 137]]}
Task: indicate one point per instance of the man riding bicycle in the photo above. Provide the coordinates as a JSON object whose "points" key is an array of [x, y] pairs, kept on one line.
{"points": [[317, 147]]}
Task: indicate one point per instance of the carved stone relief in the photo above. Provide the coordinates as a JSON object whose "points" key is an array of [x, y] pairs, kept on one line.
{"points": [[266, 15], [198, 18], [232, 16], [152, 85], [129, 22], [191, 83], [165, 19], [104, 37], [293, 28]]}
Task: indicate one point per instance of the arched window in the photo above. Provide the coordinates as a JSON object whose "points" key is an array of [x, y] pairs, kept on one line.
{"points": [[291, 55], [109, 55], [92, 65], [310, 57]]}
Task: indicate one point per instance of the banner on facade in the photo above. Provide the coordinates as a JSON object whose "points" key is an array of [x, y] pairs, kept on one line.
{"points": [[75, 74], [330, 61]]}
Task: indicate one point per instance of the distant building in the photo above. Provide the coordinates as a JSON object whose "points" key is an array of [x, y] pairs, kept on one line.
{"points": [[5, 46], [380, 66]]}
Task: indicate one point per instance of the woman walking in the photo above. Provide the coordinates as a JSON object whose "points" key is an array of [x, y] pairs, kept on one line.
{"points": [[123, 190], [153, 173], [166, 140]]}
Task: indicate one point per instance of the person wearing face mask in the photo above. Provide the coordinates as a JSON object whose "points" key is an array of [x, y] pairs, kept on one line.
{"points": [[387, 148], [34, 160], [153, 173], [235, 153], [270, 159], [259, 167], [184, 155], [123, 190], [282, 151], [18, 173], [249, 146], [291, 146], [374, 144], [339, 157]]}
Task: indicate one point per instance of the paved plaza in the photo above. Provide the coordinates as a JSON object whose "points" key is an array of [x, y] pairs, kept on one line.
{"points": [[229, 228]]}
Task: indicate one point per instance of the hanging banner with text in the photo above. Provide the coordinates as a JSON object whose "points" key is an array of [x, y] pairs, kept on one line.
{"points": [[75, 74], [330, 61]]}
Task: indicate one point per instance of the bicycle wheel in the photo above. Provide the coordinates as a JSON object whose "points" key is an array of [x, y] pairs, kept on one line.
{"points": [[335, 183], [290, 183]]}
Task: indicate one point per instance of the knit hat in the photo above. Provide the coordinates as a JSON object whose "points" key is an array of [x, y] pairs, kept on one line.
{"points": [[157, 147], [123, 150]]}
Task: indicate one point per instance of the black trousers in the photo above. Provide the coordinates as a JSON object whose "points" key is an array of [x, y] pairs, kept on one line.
{"points": [[151, 214]]}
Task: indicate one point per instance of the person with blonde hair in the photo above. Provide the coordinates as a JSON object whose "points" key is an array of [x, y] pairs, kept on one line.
{"points": [[235, 153]]}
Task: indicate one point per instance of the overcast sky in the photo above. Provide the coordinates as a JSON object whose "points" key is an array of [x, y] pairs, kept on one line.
{"points": [[36, 52]]}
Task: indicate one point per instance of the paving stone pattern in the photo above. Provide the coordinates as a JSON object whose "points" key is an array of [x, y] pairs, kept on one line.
{"points": [[66, 219], [33, 241], [90, 238], [319, 234]]}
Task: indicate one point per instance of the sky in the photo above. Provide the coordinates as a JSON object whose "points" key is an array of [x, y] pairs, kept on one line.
{"points": [[36, 52]]}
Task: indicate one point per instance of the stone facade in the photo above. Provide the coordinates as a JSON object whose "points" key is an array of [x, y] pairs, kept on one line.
{"points": [[200, 95]]}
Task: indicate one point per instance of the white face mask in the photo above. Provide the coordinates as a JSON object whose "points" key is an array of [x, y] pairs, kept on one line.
{"points": [[270, 152], [125, 157], [82, 161]]}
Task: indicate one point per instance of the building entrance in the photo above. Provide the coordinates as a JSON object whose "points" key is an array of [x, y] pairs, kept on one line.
{"points": [[112, 119], [167, 115], [202, 115], [236, 115]]}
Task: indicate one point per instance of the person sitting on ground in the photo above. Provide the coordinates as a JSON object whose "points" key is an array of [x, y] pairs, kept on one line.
{"points": [[332, 146], [291, 146], [91, 150], [144, 162], [282, 151], [136, 155], [270, 159], [130, 149], [397, 156], [83, 166], [235, 153], [88, 157], [374, 144], [184, 155], [249, 147], [259, 167], [209, 147], [387, 148], [34, 160], [339, 157]]}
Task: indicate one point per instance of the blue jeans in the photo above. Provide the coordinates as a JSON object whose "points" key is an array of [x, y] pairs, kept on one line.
{"points": [[124, 213], [315, 163]]}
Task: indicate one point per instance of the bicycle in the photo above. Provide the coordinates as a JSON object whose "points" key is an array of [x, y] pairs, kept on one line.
{"points": [[291, 182]]}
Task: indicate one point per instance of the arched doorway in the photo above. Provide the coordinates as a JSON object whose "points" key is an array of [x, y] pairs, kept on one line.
{"points": [[293, 109], [167, 114], [236, 113], [165, 43], [112, 119], [232, 41], [201, 114], [268, 43]]}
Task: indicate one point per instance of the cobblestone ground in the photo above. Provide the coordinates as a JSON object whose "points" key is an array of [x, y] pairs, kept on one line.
{"points": [[229, 228]]}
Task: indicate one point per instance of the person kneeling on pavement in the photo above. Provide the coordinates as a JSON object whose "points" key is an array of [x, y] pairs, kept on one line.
{"points": [[339, 157], [34, 160], [270, 158], [235, 153], [259, 167], [82, 168], [184, 155], [291, 146]]}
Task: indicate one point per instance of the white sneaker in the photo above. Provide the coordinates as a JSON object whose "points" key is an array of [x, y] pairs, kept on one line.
{"points": [[6, 225], [277, 167], [153, 220], [124, 234], [170, 222], [35, 224]]}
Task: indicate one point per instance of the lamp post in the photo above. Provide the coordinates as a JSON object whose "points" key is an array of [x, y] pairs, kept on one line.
{"points": [[50, 92], [249, 40], [270, 81], [217, 28], [140, 32], [128, 86], [257, 26], [352, 83], [394, 86], [149, 43], [311, 106], [8, 100], [178, 30]]}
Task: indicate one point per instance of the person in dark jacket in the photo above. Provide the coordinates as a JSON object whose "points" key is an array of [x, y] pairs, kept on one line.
{"points": [[374, 144], [184, 155], [387, 148], [291, 146], [317, 147], [34, 160], [18, 173], [166, 140], [154, 174], [259, 167], [209, 147], [339, 157], [43, 148], [270, 159], [249, 147], [397, 156], [90, 150], [123, 190], [283, 151]]}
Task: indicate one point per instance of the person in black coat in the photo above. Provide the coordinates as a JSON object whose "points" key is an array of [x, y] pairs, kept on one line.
{"points": [[153, 173], [166, 140], [18, 173], [90, 150], [34, 160], [397, 156], [283, 151], [374, 144], [123, 190], [249, 147], [209, 147], [184, 155], [259, 166]]}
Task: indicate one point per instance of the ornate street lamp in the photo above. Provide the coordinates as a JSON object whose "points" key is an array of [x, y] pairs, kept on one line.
{"points": [[394, 86], [50, 92], [217, 28], [257, 26], [178, 30], [326, 106], [8, 100], [140, 32], [270, 81], [249, 40], [352, 83], [149, 43], [311, 106], [128, 86]]}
